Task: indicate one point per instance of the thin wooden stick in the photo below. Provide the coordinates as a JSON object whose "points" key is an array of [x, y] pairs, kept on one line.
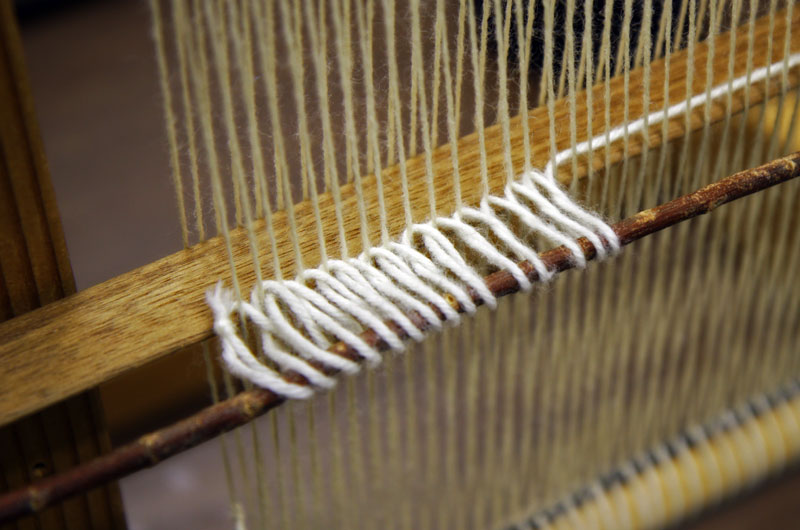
{"points": [[150, 449], [88, 338]]}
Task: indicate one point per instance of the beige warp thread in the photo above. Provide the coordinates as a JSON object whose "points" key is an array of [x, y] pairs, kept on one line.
{"points": [[749, 442], [371, 437], [297, 321]]}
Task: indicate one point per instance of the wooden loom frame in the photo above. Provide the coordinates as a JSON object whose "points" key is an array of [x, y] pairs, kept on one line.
{"points": [[131, 316]]}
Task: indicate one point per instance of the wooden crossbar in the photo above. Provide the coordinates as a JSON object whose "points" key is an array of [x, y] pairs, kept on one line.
{"points": [[89, 337], [152, 448]]}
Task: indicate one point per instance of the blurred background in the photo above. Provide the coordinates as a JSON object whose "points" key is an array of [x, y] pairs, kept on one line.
{"points": [[95, 85]]}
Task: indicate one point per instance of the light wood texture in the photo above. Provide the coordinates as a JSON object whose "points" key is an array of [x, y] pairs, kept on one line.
{"points": [[36, 271], [152, 448], [96, 334]]}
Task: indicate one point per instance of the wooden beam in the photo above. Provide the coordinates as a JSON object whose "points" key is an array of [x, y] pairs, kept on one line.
{"points": [[87, 338], [152, 448], [35, 271]]}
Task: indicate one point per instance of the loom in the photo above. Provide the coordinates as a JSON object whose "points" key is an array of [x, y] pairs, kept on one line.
{"points": [[447, 264]]}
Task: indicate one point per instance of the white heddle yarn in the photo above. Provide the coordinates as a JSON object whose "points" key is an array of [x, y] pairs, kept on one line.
{"points": [[298, 322]]}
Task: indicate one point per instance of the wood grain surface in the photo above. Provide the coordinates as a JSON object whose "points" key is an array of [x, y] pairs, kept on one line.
{"points": [[152, 448], [89, 337], [35, 271]]}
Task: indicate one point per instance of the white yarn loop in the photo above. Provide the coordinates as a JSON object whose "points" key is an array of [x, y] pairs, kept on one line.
{"points": [[427, 270], [572, 208], [366, 288], [444, 252], [401, 271], [486, 216], [280, 355], [386, 286], [299, 319], [479, 244], [568, 224], [345, 299], [236, 354], [536, 224], [335, 322], [288, 333]]}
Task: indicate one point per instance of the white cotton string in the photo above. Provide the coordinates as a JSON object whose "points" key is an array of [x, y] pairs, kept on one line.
{"points": [[429, 268], [338, 294], [674, 111], [343, 318], [235, 352], [385, 285], [401, 271], [474, 240], [350, 277], [512, 204], [486, 216], [333, 320], [284, 329], [445, 254], [568, 208]]}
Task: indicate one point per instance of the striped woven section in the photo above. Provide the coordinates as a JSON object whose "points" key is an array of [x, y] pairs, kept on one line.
{"points": [[692, 472]]}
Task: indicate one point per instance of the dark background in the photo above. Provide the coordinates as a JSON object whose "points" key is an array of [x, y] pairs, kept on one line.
{"points": [[94, 78]]}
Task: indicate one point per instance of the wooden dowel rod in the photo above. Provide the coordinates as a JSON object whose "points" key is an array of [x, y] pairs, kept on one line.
{"points": [[101, 332], [150, 449]]}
